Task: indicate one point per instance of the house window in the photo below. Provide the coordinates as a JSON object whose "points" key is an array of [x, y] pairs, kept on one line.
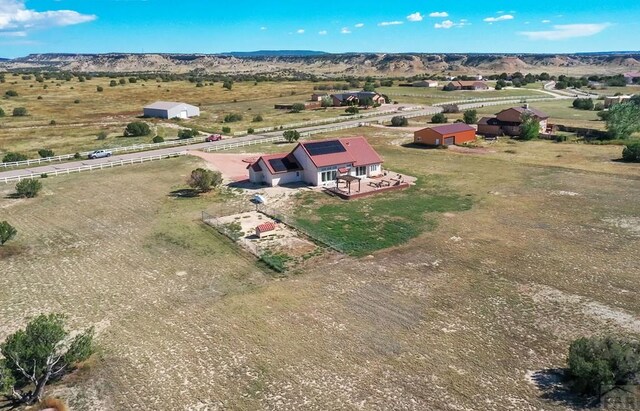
{"points": [[328, 176], [374, 168], [361, 171]]}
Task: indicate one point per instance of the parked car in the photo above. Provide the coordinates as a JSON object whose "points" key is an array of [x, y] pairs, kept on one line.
{"points": [[100, 154], [214, 137]]}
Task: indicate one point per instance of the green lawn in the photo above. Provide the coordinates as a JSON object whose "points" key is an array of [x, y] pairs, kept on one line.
{"points": [[387, 220]]}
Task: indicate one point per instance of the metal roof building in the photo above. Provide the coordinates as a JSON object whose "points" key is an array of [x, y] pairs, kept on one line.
{"points": [[170, 109]]}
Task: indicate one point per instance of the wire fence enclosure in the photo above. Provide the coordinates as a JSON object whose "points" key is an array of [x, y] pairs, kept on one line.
{"points": [[88, 167], [229, 231]]}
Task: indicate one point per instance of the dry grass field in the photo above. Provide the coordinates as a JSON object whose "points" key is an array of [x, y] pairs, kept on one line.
{"points": [[459, 318]]}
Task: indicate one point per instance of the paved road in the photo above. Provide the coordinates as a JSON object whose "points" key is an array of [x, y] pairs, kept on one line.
{"points": [[61, 167]]}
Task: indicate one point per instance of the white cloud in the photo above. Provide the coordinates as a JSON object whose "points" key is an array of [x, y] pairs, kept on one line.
{"points": [[390, 23], [439, 14], [415, 16], [359, 25], [263, 28], [301, 31], [345, 30], [546, 21], [566, 31], [499, 18], [447, 24], [322, 32], [13, 34], [15, 17]]}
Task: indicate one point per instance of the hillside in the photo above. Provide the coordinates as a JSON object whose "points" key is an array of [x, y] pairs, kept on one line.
{"points": [[334, 64]]}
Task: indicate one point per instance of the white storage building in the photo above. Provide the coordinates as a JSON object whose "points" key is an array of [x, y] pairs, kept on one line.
{"points": [[170, 109]]}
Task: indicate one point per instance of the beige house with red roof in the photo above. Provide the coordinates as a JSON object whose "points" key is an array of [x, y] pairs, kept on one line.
{"points": [[318, 163]]}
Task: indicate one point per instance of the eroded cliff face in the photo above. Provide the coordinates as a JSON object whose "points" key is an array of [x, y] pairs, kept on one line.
{"points": [[336, 64]]}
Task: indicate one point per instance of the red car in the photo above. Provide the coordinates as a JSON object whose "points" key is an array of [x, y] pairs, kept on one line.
{"points": [[214, 137]]}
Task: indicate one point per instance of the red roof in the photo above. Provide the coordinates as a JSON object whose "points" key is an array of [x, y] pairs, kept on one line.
{"points": [[269, 226], [358, 152], [452, 128]]}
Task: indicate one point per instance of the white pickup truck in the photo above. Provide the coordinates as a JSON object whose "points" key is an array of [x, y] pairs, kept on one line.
{"points": [[100, 154]]}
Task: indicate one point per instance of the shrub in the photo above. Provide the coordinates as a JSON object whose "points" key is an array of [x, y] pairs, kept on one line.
{"points": [[598, 107], [77, 156], [227, 84], [631, 152], [76, 101], [291, 135], [19, 112], [13, 157], [45, 152], [399, 121], [52, 123], [44, 175], [250, 130], [598, 364], [158, 139], [102, 135], [28, 188], [136, 129], [11, 93], [100, 89], [122, 81], [39, 97], [204, 180], [258, 118], [232, 118], [297, 107], [226, 130], [1, 112], [583, 104], [439, 118], [187, 133], [113, 83], [449, 87], [7, 232], [352, 110], [133, 80], [470, 116]]}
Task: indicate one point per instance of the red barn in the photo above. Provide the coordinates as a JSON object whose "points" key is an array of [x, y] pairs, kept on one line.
{"points": [[445, 135]]}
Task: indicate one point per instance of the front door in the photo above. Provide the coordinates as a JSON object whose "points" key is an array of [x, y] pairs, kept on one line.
{"points": [[361, 171]]}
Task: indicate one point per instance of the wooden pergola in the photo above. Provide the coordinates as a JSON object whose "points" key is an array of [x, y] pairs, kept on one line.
{"points": [[348, 179]]}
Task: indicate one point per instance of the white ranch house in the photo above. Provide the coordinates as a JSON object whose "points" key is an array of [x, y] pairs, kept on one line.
{"points": [[318, 163]]}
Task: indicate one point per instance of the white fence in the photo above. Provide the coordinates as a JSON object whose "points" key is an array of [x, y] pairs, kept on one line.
{"points": [[480, 100], [238, 144], [497, 103], [136, 147], [89, 167]]}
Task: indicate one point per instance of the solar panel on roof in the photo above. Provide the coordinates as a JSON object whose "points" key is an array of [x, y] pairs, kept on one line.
{"points": [[283, 164], [325, 147]]}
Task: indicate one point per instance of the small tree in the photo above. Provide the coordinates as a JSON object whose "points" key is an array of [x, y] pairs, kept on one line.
{"points": [[11, 93], [158, 139], [227, 84], [291, 135], [232, 118], [28, 188], [297, 107], [439, 118], [399, 121], [45, 152], [102, 135], [188, 133], [100, 89], [530, 127], [470, 116], [326, 101], [204, 180], [20, 112], [137, 129], [42, 352], [596, 365], [2, 114], [623, 120], [352, 110], [449, 87], [122, 81], [7, 232], [113, 83], [583, 104], [631, 152], [13, 157], [258, 118]]}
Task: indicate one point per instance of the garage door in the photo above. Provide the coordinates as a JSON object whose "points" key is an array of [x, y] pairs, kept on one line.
{"points": [[183, 114], [449, 141]]}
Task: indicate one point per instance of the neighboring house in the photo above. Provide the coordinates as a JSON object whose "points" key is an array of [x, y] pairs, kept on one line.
{"points": [[612, 101], [356, 98], [445, 135], [170, 109], [422, 83], [508, 121], [628, 77], [318, 163], [467, 85]]}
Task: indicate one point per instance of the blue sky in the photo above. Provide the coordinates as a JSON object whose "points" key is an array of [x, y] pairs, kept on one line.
{"points": [[207, 26]]}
